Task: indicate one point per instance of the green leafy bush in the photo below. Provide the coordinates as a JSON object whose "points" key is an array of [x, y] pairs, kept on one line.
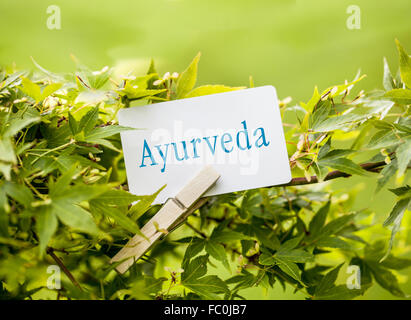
{"points": [[64, 198]]}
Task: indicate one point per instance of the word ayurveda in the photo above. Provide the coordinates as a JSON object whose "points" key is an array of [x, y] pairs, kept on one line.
{"points": [[185, 150]]}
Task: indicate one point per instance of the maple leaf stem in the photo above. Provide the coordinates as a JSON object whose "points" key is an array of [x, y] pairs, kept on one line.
{"points": [[50, 251]]}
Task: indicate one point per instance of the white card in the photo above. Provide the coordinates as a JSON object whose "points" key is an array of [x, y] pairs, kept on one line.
{"points": [[239, 133]]}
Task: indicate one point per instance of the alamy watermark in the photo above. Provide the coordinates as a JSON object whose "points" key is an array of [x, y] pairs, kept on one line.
{"points": [[354, 280], [54, 280], [54, 19], [354, 18]]}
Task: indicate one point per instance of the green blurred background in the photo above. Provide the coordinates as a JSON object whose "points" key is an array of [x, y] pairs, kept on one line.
{"points": [[291, 44]]}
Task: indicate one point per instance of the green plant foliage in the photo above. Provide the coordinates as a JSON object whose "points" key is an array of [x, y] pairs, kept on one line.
{"points": [[64, 197]]}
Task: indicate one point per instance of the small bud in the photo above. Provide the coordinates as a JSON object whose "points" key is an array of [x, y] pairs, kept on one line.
{"points": [[131, 78], [24, 99], [50, 103], [321, 139], [384, 152], [300, 165], [97, 73], [158, 229], [300, 143], [241, 260], [307, 176]]}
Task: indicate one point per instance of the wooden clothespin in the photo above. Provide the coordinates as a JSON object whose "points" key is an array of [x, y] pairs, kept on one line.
{"points": [[172, 213]]}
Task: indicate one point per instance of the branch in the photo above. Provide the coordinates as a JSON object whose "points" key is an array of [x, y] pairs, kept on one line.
{"points": [[371, 166], [202, 234], [50, 251]]}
